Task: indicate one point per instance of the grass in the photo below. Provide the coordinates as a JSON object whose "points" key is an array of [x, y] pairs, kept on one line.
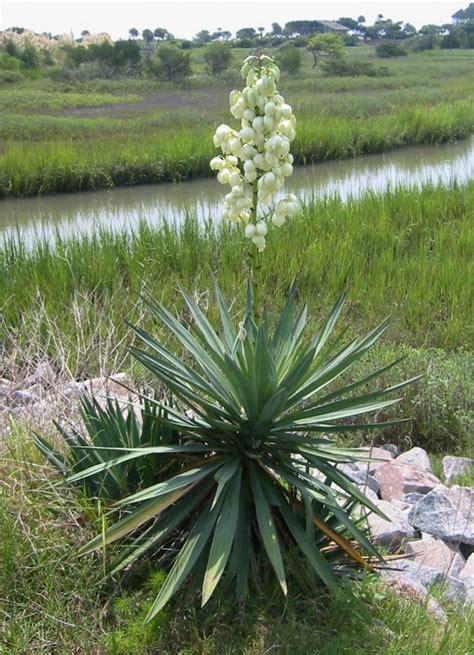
{"points": [[425, 100], [400, 254], [27, 100], [405, 254], [50, 601]]}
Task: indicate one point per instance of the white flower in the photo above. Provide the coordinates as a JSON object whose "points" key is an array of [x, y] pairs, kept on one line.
{"points": [[259, 241], [249, 230], [278, 220], [257, 158]]}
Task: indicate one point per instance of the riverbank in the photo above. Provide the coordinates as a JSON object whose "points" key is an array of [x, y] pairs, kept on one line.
{"points": [[164, 135]]}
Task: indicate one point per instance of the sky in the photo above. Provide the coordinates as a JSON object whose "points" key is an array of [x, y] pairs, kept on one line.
{"points": [[185, 18]]}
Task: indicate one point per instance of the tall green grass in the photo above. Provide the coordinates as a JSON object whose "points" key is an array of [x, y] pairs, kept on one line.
{"points": [[27, 99], [406, 253], [160, 156]]}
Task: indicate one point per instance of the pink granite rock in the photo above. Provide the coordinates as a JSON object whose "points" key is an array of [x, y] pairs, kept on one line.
{"points": [[442, 556], [396, 479]]}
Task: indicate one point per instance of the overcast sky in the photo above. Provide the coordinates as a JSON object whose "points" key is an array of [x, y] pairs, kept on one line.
{"points": [[184, 19]]}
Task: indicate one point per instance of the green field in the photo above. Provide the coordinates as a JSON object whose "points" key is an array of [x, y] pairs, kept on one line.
{"points": [[113, 133]]}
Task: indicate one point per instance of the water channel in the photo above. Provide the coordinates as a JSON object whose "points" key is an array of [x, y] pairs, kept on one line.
{"points": [[121, 208]]}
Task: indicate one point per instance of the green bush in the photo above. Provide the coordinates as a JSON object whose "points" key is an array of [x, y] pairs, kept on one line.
{"points": [[440, 403], [170, 63], [387, 50], [218, 57], [10, 77], [343, 68], [290, 59]]}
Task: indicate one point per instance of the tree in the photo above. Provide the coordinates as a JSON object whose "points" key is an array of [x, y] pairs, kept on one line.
{"points": [[330, 46], [171, 64], [204, 36], [133, 32], [148, 36], [225, 34], [361, 20], [277, 29], [463, 15], [85, 33], [245, 33], [289, 59], [217, 57], [161, 34], [261, 30], [350, 23]]}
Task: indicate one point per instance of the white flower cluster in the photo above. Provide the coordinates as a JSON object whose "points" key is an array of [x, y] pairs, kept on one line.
{"points": [[256, 159]]}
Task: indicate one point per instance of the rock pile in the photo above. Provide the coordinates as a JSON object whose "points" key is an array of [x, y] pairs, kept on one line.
{"points": [[429, 523]]}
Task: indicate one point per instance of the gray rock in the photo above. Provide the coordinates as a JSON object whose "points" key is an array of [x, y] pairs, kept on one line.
{"points": [[454, 589], [454, 466], [359, 474], [446, 513], [417, 457], [466, 575], [6, 387], [391, 448], [437, 554], [412, 497], [26, 396], [397, 479], [392, 532]]}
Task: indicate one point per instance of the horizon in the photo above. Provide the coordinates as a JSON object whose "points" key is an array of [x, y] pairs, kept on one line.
{"points": [[185, 19]]}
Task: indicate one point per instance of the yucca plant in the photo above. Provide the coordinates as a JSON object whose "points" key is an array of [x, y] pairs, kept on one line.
{"points": [[257, 476], [109, 429]]}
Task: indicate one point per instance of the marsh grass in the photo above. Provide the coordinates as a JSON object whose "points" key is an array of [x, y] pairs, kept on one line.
{"points": [[425, 100], [405, 253], [157, 157]]}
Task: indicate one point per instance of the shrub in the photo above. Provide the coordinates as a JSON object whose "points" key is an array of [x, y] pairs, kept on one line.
{"points": [[290, 59], [109, 431], [218, 57], [387, 50], [171, 64], [7, 62], [10, 77], [344, 68]]}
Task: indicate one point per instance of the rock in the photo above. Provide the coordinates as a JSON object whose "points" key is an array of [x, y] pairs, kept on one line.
{"points": [[5, 387], [389, 533], [417, 457], [454, 589], [359, 474], [371, 495], [454, 466], [391, 448], [437, 554], [446, 513], [378, 454], [411, 589], [26, 396], [412, 498], [397, 479], [466, 575]]}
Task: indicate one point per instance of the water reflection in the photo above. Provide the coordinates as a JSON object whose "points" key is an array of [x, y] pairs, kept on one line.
{"points": [[120, 209]]}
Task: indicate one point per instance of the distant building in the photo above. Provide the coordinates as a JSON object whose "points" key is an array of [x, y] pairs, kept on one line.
{"points": [[331, 26]]}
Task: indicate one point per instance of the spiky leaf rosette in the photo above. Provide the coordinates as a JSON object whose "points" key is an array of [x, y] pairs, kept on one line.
{"points": [[258, 476]]}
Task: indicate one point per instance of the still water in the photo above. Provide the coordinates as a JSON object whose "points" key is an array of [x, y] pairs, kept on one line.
{"points": [[121, 209]]}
